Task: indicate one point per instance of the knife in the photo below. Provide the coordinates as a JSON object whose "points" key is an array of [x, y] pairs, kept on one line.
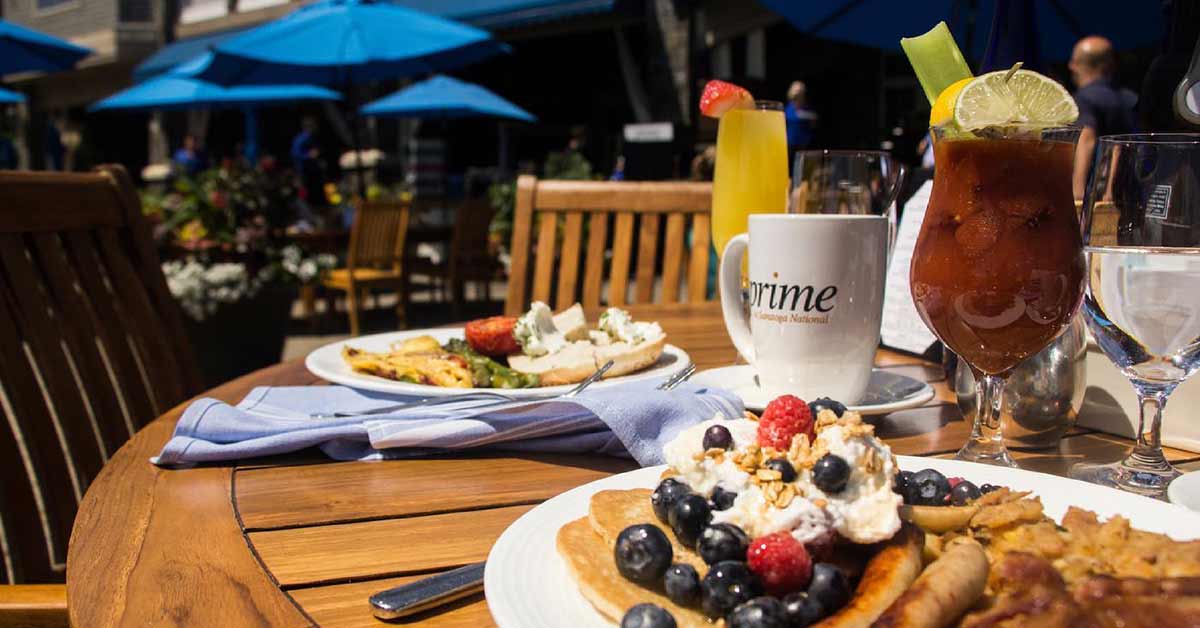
{"points": [[428, 593]]}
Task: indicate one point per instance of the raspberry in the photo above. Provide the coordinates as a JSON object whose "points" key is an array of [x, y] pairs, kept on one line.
{"points": [[781, 562], [784, 418]]}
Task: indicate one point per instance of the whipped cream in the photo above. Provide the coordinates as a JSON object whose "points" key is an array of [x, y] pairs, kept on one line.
{"points": [[866, 511], [704, 474]]}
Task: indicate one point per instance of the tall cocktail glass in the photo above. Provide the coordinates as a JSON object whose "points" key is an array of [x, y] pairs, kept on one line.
{"points": [[998, 268], [751, 171]]}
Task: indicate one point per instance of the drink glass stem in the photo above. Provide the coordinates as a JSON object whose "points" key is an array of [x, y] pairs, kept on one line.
{"points": [[986, 443], [1147, 454]]}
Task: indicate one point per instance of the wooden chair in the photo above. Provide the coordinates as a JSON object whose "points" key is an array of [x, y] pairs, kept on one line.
{"points": [[636, 212], [375, 255], [470, 260], [92, 348]]}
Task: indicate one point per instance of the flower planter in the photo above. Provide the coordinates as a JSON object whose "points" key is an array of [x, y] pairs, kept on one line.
{"points": [[242, 337]]}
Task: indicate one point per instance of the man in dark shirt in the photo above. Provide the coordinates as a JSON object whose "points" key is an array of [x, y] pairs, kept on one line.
{"points": [[1104, 109]]}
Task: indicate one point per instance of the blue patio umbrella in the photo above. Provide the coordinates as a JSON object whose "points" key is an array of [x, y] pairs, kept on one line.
{"points": [[26, 50], [445, 97], [342, 43], [167, 92], [1060, 23], [9, 97]]}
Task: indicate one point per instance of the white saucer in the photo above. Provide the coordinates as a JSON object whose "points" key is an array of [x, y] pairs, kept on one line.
{"points": [[887, 392], [1185, 490]]}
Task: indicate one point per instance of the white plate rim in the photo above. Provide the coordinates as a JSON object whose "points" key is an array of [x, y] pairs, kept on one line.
{"points": [[1185, 491], [326, 362], [540, 582], [714, 375]]}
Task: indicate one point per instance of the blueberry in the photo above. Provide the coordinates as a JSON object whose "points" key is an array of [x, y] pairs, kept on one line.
{"points": [[828, 404], [828, 587], [964, 492], [901, 481], [718, 437], [727, 584], [761, 612], [722, 541], [682, 584], [688, 517], [647, 616], [643, 553], [802, 610], [668, 492], [787, 472], [721, 499], [927, 487], [984, 489], [831, 473]]}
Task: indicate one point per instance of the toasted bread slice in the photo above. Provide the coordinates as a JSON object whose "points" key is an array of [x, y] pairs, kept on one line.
{"points": [[589, 558], [629, 358], [573, 364]]}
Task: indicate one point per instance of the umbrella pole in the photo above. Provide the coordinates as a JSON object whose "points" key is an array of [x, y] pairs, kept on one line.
{"points": [[356, 132]]}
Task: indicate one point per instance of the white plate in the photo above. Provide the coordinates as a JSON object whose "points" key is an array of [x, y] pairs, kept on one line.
{"points": [[327, 363], [1185, 490], [887, 392], [527, 585]]}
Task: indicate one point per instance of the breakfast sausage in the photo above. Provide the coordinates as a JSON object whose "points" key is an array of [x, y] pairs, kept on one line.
{"points": [[947, 588]]}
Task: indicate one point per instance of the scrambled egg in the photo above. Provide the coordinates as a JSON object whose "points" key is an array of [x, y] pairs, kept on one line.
{"points": [[419, 360]]}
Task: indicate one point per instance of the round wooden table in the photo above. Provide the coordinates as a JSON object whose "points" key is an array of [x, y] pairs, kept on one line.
{"points": [[300, 540]]}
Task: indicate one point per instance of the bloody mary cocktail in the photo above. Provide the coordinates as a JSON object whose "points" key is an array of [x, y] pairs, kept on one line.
{"points": [[998, 267]]}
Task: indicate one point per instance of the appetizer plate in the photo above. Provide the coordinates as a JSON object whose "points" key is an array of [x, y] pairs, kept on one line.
{"points": [[327, 363], [1185, 490], [528, 586], [887, 391]]}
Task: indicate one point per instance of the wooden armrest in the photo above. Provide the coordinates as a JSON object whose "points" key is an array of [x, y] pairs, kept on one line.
{"points": [[33, 606]]}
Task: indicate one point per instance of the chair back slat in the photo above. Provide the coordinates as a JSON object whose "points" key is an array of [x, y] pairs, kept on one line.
{"points": [[568, 260], [673, 257], [697, 278], [81, 340], [593, 267], [377, 235], [130, 382], [38, 507], [91, 347], [618, 281], [547, 238], [647, 259]]}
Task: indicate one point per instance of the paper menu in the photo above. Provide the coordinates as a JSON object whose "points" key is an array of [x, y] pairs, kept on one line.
{"points": [[902, 326]]}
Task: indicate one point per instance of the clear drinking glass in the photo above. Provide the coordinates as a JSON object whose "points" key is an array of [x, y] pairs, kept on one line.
{"points": [[997, 270], [1142, 239]]}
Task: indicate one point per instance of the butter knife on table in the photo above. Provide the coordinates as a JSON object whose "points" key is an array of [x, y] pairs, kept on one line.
{"points": [[427, 593]]}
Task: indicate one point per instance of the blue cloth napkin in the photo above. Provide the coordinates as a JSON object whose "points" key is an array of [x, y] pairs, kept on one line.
{"points": [[632, 419]]}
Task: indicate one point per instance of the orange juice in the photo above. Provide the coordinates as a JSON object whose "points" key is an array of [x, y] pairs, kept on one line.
{"points": [[751, 169]]}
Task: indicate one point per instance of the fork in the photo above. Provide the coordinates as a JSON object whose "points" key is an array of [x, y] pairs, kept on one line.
{"points": [[448, 399], [678, 378]]}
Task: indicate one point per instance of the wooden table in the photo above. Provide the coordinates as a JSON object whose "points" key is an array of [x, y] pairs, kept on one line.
{"points": [[299, 540]]}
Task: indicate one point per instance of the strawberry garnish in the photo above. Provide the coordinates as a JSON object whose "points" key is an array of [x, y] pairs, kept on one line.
{"points": [[719, 97]]}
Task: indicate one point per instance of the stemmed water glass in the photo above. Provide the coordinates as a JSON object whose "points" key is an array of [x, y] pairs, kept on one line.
{"points": [[1142, 239]]}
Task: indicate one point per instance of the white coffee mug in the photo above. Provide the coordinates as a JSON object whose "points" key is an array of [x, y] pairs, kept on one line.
{"points": [[815, 301]]}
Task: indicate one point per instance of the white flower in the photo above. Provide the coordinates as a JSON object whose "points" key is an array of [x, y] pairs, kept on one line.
{"points": [[201, 290]]}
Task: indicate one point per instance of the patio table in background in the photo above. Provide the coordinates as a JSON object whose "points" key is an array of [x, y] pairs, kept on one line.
{"points": [[301, 540]]}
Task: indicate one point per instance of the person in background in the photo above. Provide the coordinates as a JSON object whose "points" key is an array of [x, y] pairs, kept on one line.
{"points": [[801, 121], [188, 158], [305, 161], [1104, 109], [704, 164], [55, 152], [618, 169]]}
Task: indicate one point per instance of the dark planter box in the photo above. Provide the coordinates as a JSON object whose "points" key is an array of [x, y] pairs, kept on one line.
{"points": [[242, 337]]}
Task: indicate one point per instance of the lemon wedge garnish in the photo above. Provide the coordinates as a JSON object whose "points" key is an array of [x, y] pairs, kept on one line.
{"points": [[1012, 98], [943, 108]]}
